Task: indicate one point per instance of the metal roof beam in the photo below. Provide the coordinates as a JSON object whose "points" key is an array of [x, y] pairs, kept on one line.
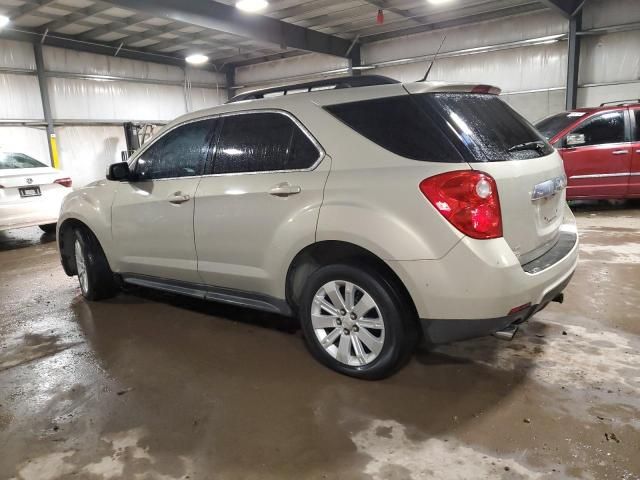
{"points": [[29, 8], [75, 17], [228, 19], [566, 8]]}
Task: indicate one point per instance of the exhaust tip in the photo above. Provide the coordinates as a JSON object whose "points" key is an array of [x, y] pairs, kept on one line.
{"points": [[506, 333]]}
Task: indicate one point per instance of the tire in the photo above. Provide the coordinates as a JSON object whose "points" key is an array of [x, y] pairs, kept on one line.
{"points": [[94, 274], [48, 228], [382, 351]]}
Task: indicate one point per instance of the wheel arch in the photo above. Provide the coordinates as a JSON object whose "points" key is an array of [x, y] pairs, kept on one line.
{"points": [[328, 252], [66, 241]]}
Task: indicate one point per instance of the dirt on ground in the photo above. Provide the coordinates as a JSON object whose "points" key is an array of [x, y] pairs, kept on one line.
{"points": [[154, 386]]}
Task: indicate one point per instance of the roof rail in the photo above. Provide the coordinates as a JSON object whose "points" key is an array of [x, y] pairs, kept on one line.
{"points": [[621, 102], [329, 83]]}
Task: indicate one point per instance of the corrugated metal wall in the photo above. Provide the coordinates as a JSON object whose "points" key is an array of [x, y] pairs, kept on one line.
{"points": [[92, 109], [532, 76]]}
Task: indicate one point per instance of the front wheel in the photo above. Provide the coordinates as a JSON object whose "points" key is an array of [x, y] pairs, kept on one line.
{"points": [[94, 274], [355, 322]]}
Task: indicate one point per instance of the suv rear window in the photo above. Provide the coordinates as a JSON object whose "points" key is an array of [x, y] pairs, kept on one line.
{"points": [[488, 127], [437, 127], [399, 125]]}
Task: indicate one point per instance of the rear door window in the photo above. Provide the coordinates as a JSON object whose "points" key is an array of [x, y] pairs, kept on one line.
{"points": [[263, 142], [182, 152], [603, 129], [637, 117], [399, 125]]}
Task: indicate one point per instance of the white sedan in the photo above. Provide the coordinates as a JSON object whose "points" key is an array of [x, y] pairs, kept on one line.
{"points": [[30, 192]]}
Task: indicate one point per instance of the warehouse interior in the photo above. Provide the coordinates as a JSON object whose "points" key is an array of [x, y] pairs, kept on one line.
{"points": [[154, 386]]}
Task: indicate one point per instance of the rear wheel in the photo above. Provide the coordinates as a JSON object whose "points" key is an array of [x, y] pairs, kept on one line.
{"points": [[94, 274], [355, 322], [48, 228]]}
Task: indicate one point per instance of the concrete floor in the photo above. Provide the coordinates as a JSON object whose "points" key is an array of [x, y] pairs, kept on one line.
{"points": [[150, 386]]}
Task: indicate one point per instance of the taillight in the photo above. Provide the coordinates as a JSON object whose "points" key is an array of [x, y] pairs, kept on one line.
{"points": [[468, 199], [65, 182]]}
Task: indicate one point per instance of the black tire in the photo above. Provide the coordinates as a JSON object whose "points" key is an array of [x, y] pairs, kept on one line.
{"points": [[100, 282], [401, 330], [48, 228]]}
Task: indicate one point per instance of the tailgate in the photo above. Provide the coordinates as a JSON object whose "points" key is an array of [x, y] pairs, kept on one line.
{"points": [[532, 201]]}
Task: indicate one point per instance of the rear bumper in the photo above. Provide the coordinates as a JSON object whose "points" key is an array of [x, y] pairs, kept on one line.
{"points": [[447, 331], [28, 214], [472, 290]]}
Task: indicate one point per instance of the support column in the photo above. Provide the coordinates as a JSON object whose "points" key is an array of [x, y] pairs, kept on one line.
{"points": [[231, 81], [46, 106], [354, 58], [573, 68]]}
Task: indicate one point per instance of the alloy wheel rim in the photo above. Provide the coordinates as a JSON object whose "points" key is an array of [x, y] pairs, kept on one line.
{"points": [[347, 323], [81, 267]]}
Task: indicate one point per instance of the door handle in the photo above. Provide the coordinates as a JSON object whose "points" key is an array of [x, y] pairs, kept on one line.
{"points": [[620, 152], [284, 190], [177, 198]]}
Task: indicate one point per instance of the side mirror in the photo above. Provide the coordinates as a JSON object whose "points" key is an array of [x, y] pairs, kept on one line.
{"points": [[118, 172], [575, 140]]}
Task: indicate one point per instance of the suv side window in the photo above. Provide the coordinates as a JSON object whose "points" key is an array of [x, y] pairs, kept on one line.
{"points": [[399, 125], [262, 142], [605, 128], [182, 152], [637, 114]]}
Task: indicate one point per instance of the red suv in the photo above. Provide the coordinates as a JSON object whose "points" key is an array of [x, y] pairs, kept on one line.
{"points": [[600, 148]]}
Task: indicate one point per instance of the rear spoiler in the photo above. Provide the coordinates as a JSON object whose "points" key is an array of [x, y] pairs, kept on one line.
{"points": [[433, 87]]}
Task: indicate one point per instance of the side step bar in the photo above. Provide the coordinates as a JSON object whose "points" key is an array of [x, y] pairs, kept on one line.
{"points": [[210, 293]]}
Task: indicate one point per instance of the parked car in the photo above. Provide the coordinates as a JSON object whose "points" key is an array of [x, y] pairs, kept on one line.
{"points": [[600, 148], [31, 193], [376, 214]]}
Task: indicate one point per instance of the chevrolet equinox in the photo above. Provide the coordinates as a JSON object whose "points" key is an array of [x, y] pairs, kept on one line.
{"points": [[376, 212]]}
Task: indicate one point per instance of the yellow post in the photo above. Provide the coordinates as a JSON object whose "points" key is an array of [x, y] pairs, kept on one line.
{"points": [[53, 145]]}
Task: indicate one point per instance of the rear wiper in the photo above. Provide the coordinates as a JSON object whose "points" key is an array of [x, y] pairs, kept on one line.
{"points": [[537, 146]]}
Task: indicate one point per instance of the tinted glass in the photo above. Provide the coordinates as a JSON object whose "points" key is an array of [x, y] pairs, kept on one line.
{"points": [[261, 142], [400, 125], [602, 129], [551, 126], [180, 153], [488, 126], [637, 113], [18, 160]]}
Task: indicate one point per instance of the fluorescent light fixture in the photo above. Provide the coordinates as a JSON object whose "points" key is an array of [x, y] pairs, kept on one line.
{"points": [[251, 6], [4, 21], [197, 59], [438, 2]]}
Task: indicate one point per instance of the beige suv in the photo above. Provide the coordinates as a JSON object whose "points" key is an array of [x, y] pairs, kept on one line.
{"points": [[374, 211]]}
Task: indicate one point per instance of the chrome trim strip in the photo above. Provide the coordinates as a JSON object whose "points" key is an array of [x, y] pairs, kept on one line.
{"points": [[321, 151], [604, 175]]}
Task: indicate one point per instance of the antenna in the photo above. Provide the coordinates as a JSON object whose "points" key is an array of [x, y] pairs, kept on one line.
{"points": [[435, 57]]}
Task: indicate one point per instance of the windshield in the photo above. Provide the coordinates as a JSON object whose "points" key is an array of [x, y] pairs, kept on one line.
{"points": [[554, 124], [9, 161], [488, 127]]}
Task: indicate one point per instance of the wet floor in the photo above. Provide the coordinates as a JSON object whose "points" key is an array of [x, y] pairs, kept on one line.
{"points": [[150, 386]]}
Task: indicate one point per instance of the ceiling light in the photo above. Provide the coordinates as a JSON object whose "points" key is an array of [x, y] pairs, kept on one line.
{"points": [[197, 59], [438, 2], [4, 21], [251, 6]]}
